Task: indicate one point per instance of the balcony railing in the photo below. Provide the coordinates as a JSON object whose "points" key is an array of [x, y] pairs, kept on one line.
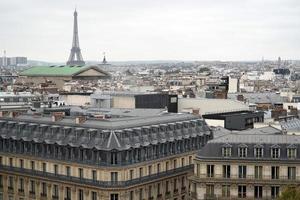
{"points": [[92, 182], [220, 177], [219, 197]]}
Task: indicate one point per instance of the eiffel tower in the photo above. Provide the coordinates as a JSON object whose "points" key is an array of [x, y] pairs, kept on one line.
{"points": [[75, 57]]}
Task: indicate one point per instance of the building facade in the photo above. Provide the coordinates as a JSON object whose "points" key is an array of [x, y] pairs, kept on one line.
{"points": [[67, 158], [246, 166]]}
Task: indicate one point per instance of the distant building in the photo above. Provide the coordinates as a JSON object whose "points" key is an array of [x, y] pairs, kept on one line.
{"points": [[16, 61], [61, 74], [134, 100], [13, 61]]}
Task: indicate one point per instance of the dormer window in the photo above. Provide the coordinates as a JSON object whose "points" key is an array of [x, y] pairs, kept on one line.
{"points": [[226, 150], [275, 151], [258, 151], [291, 152], [242, 151]]}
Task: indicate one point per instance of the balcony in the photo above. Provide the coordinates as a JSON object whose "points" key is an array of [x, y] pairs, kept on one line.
{"points": [[55, 197], [194, 195], [168, 194], [209, 196], [183, 189], [91, 182], [219, 178], [159, 196], [175, 192]]}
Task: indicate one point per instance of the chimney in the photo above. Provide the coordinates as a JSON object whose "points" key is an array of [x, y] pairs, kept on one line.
{"points": [[240, 97], [196, 111], [80, 119], [14, 114], [57, 116]]}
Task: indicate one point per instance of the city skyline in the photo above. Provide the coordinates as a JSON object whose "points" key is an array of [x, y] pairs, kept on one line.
{"points": [[133, 30]]}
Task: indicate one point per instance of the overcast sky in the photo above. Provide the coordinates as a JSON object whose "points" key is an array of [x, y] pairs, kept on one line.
{"points": [[152, 30]]}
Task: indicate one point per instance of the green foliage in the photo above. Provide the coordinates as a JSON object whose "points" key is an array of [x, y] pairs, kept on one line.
{"points": [[204, 69], [290, 193]]}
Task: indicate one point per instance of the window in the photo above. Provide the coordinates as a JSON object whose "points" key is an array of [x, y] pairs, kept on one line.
{"points": [[94, 175], [291, 153], [275, 152], [174, 164], [32, 187], [210, 170], [1, 181], [258, 152], [131, 195], [11, 162], [158, 189], [150, 192], [32, 165], [21, 185], [158, 167], [225, 190], [226, 151], [21, 163], [44, 189], [55, 169], [114, 196], [55, 191], [275, 172], [182, 162], [68, 171], [226, 171], [141, 194], [141, 172], [44, 167], [258, 192], [114, 176], [182, 182], [10, 182], [80, 194], [167, 165], [80, 172], [131, 174], [242, 191], [242, 151], [68, 193], [258, 170], [94, 195], [175, 184], [149, 169], [167, 187], [114, 158], [292, 173], [210, 190], [190, 160], [242, 171], [274, 191]]}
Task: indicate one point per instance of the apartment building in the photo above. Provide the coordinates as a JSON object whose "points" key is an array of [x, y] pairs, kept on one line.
{"points": [[83, 158], [246, 165]]}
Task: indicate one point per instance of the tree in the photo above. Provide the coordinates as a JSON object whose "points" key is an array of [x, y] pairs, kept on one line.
{"points": [[290, 193]]}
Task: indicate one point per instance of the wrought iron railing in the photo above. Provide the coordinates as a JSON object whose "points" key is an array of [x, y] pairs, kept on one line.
{"points": [[92, 182]]}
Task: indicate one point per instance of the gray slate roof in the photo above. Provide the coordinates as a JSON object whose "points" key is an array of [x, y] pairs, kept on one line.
{"points": [[267, 137], [118, 134]]}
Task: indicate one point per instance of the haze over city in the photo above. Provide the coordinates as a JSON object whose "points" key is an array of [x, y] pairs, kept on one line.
{"points": [[152, 30]]}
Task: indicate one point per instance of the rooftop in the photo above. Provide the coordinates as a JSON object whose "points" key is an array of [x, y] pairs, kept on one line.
{"points": [[62, 70]]}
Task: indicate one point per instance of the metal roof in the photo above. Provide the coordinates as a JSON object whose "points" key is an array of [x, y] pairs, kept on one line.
{"points": [[63, 70]]}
